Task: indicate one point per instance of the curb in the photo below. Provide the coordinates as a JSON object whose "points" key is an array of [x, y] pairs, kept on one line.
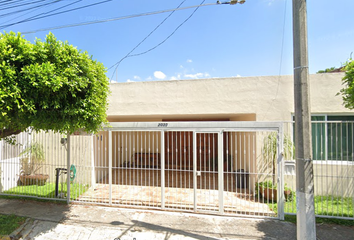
{"points": [[24, 230]]}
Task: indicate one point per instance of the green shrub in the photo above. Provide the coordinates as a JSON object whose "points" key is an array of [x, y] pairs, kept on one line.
{"points": [[269, 184]]}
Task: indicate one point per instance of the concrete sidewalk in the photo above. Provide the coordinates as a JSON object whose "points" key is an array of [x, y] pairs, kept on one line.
{"points": [[60, 221]]}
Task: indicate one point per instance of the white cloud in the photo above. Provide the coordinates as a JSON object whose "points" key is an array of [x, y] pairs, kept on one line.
{"points": [[159, 75], [176, 77], [181, 66], [189, 61], [136, 77], [237, 76], [149, 78], [128, 80], [197, 75]]}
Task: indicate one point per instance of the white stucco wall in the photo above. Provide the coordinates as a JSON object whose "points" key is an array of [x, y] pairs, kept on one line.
{"points": [[268, 98]]}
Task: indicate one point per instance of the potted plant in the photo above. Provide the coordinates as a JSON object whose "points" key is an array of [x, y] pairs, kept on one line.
{"points": [[268, 191], [269, 151], [32, 159]]}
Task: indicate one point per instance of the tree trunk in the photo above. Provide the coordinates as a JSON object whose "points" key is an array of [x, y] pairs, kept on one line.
{"points": [[8, 132]]}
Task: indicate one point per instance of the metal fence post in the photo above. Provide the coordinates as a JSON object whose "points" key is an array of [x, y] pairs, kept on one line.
{"points": [[110, 165], [280, 166], [162, 169], [221, 171], [194, 171], [93, 177], [68, 169]]}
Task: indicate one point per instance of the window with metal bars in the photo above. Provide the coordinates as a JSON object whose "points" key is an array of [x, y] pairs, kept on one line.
{"points": [[332, 137]]}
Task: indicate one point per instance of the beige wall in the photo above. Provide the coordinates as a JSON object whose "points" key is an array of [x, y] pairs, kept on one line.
{"points": [[56, 155], [101, 151], [268, 98]]}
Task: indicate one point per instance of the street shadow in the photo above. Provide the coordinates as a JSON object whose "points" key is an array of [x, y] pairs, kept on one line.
{"points": [[203, 235], [170, 231], [276, 229]]}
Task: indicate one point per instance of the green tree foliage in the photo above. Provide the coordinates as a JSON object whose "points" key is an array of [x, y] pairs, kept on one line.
{"points": [[327, 70], [49, 85], [348, 81]]}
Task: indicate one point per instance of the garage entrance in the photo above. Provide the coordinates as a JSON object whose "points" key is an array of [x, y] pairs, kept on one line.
{"points": [[209, 167]]}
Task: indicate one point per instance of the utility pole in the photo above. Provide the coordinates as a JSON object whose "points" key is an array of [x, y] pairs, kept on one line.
{"points": [[305, 216]]}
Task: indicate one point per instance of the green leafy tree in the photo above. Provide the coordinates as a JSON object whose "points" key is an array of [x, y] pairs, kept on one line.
{"points": [[348, 81], [49, 85], [327, 70]]}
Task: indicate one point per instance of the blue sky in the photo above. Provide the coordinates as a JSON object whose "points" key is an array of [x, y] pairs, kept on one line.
{"points": [[253, 39]]}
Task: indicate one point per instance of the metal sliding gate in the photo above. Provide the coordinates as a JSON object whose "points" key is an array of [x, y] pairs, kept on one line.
{"points": [[213, 167]]}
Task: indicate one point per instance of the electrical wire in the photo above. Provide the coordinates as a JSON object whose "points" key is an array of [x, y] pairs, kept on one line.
{"points": [[282, 40], [27, 19], [54, 10], [23, 4], [49, 15], [3, 3], [138, 54], [22, 15], [127, 55], [117, 18], [23, 10], [156, 46], [39, 16], [281, 60]]}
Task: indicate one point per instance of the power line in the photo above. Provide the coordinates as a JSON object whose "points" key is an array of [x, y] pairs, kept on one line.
{"points": [[27, 19], [117, 63], [23, 10], [281, 59], [23, 4], [9, 2], [156, 46], [54, 10], [48, 15], [24, 15], [117, 18]]}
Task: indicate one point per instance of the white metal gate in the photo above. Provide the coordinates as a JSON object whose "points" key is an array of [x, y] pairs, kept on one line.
{"points": [[220, 168], [212, 167]]}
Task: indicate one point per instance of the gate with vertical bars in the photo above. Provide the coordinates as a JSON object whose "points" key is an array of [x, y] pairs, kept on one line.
{"points": [[208, 167], [214, 167]]}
